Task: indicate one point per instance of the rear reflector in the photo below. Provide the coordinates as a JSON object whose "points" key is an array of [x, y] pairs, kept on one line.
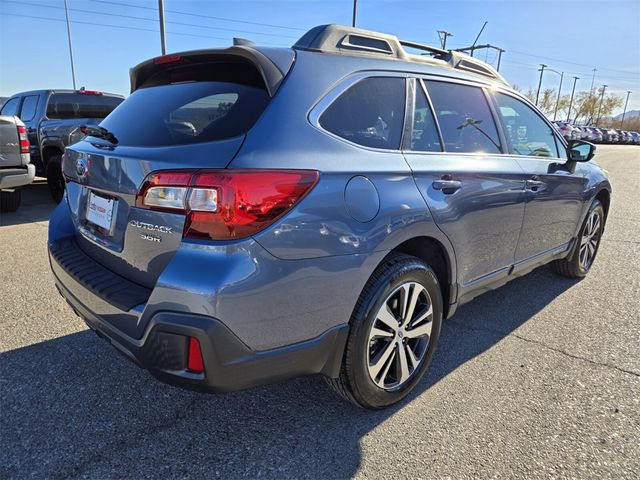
{"points": [[24, 140], [194, 361], [226, 204]]}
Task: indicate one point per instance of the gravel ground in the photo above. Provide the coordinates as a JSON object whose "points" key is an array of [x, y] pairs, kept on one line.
{"points": [[538, 379]]}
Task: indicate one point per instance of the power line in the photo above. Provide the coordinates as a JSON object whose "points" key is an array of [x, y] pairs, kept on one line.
{"points": [[152, 19], [573, 63], [120, 26], [199, 15]]}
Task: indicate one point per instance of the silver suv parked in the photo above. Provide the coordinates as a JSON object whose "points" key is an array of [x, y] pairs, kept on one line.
{"points": [[251, 214]]}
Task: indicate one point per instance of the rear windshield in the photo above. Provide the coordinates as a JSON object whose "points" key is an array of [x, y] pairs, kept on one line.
{"points": [[81, 105], [185, 113]]}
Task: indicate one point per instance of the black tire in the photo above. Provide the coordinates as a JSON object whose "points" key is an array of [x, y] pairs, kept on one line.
{"points": [[55, 180], [354, 382], [9, 200], [573, 266]]}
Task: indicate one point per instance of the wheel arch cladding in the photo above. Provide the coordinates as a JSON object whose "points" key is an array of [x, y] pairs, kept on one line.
{"points": [[431, 251]]}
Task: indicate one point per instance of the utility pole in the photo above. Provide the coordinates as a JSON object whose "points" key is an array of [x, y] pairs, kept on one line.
{"points": [[355, 11], [625, 108], [555, 112], [604, 87], [73, 71], [542, 67], [573, 90], [163, 39], [443, 34]]}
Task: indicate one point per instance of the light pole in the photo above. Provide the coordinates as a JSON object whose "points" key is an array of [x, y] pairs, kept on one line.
{"points": [[443, 34], [573, 90], [604, 87], [593, 79], [500, 52], [555, 112], [355, 11], [163, 39], [73, 71], [542, 67], [625, 108]]}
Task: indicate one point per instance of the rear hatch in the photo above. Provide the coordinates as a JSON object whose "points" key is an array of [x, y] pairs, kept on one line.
{"points": [[187, 112]]}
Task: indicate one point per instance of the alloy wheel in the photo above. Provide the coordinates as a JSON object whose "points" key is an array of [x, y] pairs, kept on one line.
{"points": [[590, 239], [399, 336]]}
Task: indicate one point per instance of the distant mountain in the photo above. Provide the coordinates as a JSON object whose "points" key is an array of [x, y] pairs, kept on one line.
{"points": [[628, 115]]}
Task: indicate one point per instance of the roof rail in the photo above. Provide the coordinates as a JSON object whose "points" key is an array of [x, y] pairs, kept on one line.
{"points": [[350, 40]]}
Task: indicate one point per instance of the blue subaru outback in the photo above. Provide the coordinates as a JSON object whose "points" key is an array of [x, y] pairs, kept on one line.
{"points": [[251, 214]]}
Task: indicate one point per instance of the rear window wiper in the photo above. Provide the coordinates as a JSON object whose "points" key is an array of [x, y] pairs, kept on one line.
{"points": [[99, 132]]}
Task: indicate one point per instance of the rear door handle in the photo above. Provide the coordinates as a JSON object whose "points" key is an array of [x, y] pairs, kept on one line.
{"points": [[534, 184], [447, 186]]}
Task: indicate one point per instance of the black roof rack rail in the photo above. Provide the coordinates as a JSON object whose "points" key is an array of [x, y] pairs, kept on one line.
{"points": [[350, 40]]}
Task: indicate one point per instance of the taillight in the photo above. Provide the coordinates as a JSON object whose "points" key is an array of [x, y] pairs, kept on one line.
{"points": [[24, 140], [226, 204], [89, 92]]}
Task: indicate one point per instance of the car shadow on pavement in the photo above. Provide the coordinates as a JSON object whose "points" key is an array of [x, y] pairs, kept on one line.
{"points": [[36, 205], [73, 407]]}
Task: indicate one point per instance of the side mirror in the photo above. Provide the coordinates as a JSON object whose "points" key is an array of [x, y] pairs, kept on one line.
{"points": [[579, 151]]}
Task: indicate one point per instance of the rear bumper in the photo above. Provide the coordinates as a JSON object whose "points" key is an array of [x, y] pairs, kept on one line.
{"points": [[229, 364], [258, 318], [17, 177]]}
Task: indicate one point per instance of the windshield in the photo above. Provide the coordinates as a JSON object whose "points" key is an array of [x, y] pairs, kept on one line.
{"points": [[185, 113]]}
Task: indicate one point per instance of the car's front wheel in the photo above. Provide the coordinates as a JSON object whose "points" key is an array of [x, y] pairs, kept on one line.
{"points": [[579, 263], [393, 335]]}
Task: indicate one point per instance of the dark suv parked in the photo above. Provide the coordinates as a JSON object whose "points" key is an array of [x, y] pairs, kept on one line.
{"points": [[50, 117], [315, 209]]}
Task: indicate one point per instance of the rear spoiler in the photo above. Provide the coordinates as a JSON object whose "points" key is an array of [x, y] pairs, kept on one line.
{"points": [[273, 64]]}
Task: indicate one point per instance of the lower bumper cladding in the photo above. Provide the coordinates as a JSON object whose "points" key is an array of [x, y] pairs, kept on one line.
{"points": [[228, 363]]}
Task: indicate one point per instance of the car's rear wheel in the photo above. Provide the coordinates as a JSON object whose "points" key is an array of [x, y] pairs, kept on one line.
{"points": [[10, 200], [394, 331], [579, 263], [55, 180]]}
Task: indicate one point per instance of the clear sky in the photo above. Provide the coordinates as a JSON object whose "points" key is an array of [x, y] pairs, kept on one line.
{"points": [[110, 36]]}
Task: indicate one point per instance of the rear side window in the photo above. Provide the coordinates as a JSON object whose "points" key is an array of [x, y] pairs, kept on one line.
{"points": [[369, 113], [186, 113], [424, 134], [80, 105], [526, 132], [28, 110], [11, 107], [464, 117]]}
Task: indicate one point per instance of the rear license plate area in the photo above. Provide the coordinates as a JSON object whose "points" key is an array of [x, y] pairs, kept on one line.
{"points": [[100, 213]]}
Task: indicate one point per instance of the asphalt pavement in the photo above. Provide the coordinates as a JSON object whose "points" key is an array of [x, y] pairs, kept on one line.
{"points": [[538, 379]]}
